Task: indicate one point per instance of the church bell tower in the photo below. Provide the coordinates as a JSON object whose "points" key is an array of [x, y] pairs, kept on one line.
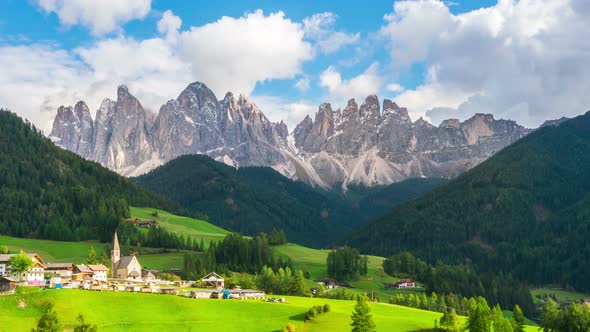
{"points": [[115, 256]]}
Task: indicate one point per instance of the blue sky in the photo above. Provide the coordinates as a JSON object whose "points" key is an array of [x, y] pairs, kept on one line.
{"points": [[440, 59]]}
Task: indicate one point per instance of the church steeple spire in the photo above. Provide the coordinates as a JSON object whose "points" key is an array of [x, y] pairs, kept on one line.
{"points": [[116, 242], [115, 256]]}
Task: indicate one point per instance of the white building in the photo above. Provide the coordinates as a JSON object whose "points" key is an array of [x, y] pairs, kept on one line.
{"points": [[35, 276], [99, 272]]}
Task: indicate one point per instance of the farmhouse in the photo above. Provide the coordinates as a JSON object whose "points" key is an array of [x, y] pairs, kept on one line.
{"points": [[99, 272], [402, 283], [147, 224], [126, 267], [82, 272], [214, 280], [326, 282], [34, 276], [63, 270], [7, 285]]}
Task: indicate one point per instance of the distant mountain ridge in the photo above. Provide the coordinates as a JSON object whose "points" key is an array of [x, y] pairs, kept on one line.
{"points": [[525, 211], [250, 200], [357, 145]]}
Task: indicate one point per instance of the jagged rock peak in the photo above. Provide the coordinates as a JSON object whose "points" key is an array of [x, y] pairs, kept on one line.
{"points": [[423, 123], [325, 107], [454, 123], [122, 91], [389, 105]]}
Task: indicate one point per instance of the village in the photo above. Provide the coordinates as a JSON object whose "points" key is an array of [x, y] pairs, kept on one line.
{"points": [[125, 275]]}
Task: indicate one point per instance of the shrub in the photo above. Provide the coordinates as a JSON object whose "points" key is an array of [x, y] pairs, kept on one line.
{"points": [[327, 308], [290, 327]]}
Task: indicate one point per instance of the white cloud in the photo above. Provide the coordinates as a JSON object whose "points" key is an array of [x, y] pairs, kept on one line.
{"points": [[394, 87], [100, 16], [231, 54], [302, 84], [169, 25], [236, 53], [320, 28], [277, 108], [524, 60], [359, 86]]}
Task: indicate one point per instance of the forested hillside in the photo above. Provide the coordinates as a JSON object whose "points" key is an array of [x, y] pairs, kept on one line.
{"points": [[525, 211], [50, 193], [257, 199]]}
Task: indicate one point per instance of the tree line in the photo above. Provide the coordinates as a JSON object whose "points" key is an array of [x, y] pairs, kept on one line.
{"points": [[463, 280], [49, 193], [346, 263]]}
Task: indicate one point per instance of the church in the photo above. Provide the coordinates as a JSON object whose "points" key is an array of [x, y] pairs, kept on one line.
{"points": [[126, 267]]}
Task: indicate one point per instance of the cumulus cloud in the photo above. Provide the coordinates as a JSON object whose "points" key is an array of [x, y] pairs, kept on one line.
{"points": [[100, 16], [524, 60], [359, 86], [169, 25], [394, 87], [236, 53], [231, 54], [302, 84], [277, 108], [320, 28]]}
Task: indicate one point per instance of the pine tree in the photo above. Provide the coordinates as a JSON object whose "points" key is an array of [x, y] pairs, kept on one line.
{"points": [[362, 321], [518, 319], [450, 321], [479, 316], [48, 321], [85, 327], [92, 260]]}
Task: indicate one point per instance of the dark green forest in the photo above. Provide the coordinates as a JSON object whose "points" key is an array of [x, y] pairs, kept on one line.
{"points": [[49, 193], [524, 212], [250, 200]]}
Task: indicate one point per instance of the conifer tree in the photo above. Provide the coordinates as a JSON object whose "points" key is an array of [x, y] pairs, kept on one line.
{"points": [[48, 321], [362, 321]]}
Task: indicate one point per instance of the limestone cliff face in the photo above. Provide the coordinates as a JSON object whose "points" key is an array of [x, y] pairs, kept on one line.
{"points": [[370, 144]]}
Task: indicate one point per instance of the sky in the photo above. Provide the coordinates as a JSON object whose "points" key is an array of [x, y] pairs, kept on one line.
{"points": [[524, 60]]}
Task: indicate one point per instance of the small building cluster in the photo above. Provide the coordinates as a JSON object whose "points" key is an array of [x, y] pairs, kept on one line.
{"points": [[125, 275], [402, 284], [142, 223]]}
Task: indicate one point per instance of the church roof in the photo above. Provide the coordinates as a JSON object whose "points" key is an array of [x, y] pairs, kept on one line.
{"points": [[125, 261], [134, 273]]}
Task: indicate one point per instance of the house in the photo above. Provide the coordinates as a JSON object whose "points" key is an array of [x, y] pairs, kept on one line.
{"points": [[147, 224], [82, 272], [7, 285], [402, 283], [214, 280], [4, 267], [34, 276], [126, 267], [326, 282], [63, 270], [99, 272], [148, 275]]}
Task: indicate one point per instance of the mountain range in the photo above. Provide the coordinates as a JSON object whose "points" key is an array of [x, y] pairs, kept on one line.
{"points": [[524, 212], [365, 145]]}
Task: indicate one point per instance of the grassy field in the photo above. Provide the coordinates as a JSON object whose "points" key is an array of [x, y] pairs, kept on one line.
{"points": [[53, 251], [560, 294], [198, 229], [76, 252], [149, 312]]}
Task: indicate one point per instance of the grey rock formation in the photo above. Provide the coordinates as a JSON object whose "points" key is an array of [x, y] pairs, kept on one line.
{"points": [[356, 145], [73, 128]]}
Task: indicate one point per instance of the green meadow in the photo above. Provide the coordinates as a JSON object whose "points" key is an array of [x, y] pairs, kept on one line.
{"points": [[150, 312], [186, 226], [77, 252]]}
